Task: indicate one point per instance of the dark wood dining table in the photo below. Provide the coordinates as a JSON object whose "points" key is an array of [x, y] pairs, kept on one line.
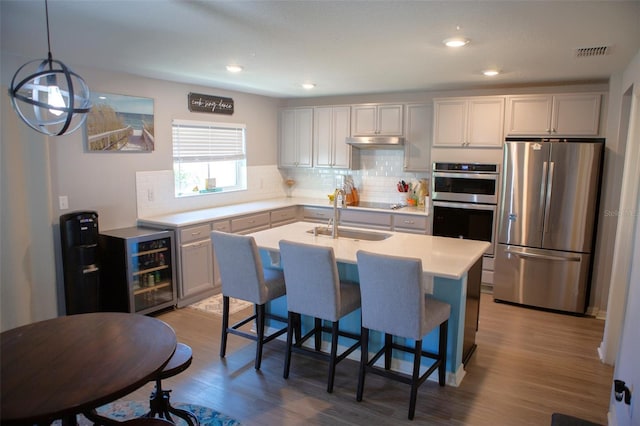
{"points": [[57, 368]]}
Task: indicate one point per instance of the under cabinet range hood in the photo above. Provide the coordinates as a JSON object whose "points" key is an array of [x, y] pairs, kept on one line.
{"points": [[376, 142]]}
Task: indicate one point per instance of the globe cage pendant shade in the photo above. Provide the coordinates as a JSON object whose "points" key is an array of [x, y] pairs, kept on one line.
{"points": [[48, 96]]}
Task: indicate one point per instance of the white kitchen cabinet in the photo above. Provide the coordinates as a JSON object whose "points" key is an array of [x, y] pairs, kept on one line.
{"points": [[196, 263], [377, 120], [296, 138], [418, 135], [575, 114], [331, 127], [475, 122]]}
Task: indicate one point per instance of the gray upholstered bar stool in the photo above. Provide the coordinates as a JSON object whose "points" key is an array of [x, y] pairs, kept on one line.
{"points": [[394, 303], [314, 289], [243, 277]]}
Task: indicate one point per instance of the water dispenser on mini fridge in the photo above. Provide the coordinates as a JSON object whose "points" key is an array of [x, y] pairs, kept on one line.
{"points": [[79, 238]]}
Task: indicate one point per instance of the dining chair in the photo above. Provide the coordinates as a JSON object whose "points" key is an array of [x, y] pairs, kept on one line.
{"points": [[243, 277], [394, 303], [315, 289]]}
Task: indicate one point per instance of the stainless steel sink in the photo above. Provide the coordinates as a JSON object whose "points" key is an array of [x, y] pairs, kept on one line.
{"points": [[350, 233]]}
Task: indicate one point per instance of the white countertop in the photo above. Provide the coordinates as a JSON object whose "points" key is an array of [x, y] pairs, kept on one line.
{"points": [[194, 217], [443, 257]]}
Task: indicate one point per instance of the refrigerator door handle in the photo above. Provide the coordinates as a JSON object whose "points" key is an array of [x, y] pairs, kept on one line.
{"points": [[543, 188], [542, 256], [547, 205]]}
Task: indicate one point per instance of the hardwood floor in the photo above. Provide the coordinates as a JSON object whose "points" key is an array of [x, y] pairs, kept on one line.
{"points": [[528, 365]]}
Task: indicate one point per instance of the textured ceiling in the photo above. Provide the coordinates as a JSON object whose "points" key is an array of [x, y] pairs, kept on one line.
{"points": [[344, 47]]}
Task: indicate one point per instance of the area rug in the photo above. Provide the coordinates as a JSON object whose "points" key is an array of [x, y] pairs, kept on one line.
{"points": [[213, 305], [126, 410]]}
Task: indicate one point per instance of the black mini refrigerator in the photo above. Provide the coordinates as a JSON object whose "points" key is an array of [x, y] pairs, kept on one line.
{"points": [[79, 238]]}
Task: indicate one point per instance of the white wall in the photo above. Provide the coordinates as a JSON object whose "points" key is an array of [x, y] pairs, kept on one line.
{"points": [[106, 182], [627, 221], [622, 336], [27, 269], [36, 170]]}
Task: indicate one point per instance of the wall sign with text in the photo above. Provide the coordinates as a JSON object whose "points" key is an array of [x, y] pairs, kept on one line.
{"points": [[210, 104]]}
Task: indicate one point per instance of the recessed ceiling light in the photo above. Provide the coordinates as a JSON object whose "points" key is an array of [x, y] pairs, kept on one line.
{"points": [[234, 68], [102, 97], [456, 41], [308, 86], [491, 73]]}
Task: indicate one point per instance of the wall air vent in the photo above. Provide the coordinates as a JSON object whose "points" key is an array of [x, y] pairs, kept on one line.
{"points": [[585, 52]]}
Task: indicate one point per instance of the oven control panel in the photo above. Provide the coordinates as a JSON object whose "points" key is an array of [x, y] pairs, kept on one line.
{"points": [[465, 167]]}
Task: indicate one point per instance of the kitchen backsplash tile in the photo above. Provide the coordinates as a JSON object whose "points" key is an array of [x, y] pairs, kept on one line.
{"points": [[376, 180]]}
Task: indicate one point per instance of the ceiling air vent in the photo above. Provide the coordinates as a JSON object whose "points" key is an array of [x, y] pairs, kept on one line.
{"points": [[585, 52]]}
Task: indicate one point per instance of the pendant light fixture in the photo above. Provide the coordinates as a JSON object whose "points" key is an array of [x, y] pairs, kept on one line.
{"points": [[48, 96]]}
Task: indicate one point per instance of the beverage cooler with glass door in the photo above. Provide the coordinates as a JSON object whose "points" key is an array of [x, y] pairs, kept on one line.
{"points": [[137, 270]]}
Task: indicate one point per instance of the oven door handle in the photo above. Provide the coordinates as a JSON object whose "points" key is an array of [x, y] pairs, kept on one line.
{"points": [[469, 206]]}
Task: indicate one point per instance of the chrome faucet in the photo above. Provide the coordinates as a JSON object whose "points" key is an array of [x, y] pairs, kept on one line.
{"points": [[339, 193]]}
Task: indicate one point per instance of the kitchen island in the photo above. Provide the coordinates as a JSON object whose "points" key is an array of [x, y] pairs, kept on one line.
{"points": [[197, 276], [452, 269]]}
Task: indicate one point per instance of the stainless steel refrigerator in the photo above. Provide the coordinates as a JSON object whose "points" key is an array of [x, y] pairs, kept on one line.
{"points": [[547, 215]]}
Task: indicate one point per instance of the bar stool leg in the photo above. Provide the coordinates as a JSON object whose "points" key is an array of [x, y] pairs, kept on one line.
{"points": [[415, 378], [260, 313], [225, 325], [388, 347], [442, 352], [318, 334], [334, 354], [290, 331], [364, 360]]}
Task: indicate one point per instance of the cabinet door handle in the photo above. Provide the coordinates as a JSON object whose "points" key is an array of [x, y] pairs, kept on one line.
{"points": [[90, 269], [251, 221], [193, 234], [410, 222]]}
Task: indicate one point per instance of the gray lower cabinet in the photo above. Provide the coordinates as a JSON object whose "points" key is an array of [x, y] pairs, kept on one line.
{"points": [[363, 218], [317, 214], [414, 224], [284, 216], [195, 265], [251, 223]]}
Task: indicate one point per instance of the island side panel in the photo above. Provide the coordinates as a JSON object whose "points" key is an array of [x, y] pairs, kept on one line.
{"points": [[454, 292]]}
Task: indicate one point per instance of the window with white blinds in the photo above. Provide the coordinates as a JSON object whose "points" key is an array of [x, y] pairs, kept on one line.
{"points": [[208, 157], [195, 142]]}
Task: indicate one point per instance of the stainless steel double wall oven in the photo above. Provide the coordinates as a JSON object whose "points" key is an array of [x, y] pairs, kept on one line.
{"points": [[465, 198]]}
